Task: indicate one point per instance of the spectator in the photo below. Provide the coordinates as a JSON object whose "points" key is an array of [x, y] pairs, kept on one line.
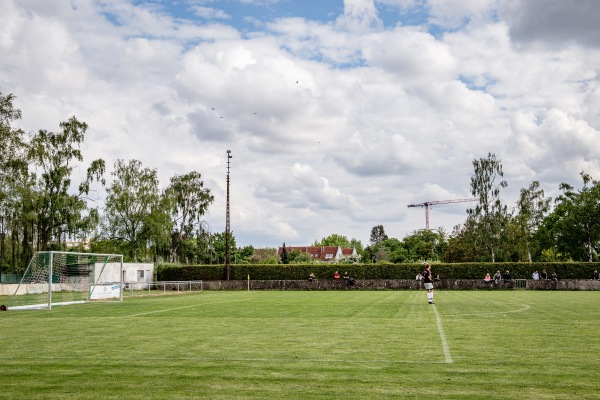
{"points": [[544, 275], [497, 277], [419, 279], [535, 276], [346, 276], [507, 278], [554, 277], [336, 276], [311, 277], [488, 279], [595, 275]]}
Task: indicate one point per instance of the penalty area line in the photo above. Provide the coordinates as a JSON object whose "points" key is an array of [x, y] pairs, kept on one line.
{"points": [[447, 354]]}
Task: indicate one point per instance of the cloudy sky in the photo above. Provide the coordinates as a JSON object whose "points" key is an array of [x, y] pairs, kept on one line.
{"points": [[338, 114]]}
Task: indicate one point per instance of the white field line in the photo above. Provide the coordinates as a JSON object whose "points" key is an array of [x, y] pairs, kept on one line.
{"points": [[227, 359], [524, 307], [447, 354], [176, 308]]}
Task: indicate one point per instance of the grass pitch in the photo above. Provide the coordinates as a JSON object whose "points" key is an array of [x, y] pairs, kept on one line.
{"points": [[308, 345]]}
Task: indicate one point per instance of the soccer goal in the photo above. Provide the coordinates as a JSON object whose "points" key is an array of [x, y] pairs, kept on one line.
{"points": [[59, 278]]}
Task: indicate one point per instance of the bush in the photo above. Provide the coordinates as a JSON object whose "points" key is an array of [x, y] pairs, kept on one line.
{"points": [[175, 272]]}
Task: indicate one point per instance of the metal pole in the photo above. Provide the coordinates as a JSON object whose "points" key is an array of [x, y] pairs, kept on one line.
{"points": [[50, 282], [227, 224], [122, 281]]}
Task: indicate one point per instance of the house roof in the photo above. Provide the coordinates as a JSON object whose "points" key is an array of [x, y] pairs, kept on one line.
{"points": [[323, 253]]}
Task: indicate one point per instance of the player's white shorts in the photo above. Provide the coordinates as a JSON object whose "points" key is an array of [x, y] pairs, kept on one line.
{"points": [[428, 286]]}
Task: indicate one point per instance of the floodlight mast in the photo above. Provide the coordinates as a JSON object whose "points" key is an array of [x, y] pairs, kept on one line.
{"points": [[436, 202], [227, 222]]}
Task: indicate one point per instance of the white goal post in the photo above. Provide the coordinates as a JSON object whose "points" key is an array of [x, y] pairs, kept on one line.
{"points": [[59, 278]]}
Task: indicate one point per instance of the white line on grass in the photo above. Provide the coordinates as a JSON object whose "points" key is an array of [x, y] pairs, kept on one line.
{"points": [[176, 308], [225, 359], [479, 314], [442, 336]]}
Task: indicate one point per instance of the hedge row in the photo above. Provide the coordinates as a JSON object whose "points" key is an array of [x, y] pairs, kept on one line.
{"points": [[175, 272]]}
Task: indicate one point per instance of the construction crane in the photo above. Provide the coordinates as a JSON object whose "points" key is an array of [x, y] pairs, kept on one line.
{"points": [[434, 203]]}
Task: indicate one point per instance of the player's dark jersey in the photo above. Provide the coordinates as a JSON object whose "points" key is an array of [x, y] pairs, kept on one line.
{"points": [[427, 276]]}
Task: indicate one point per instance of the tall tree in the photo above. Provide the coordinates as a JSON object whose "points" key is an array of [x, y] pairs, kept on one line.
{"points": [[532, 207], [191, 201], [489, 215], [54, 153], [220, 246], [378, 234], [425, 245], [576, 223], [284, 255], [15, 184], [133, 209]]}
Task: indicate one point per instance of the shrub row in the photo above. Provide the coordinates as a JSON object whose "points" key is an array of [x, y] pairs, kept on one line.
{"points": [[176, 272]]}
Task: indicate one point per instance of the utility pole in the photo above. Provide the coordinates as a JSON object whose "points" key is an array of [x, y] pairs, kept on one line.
{"points": [[227, 223], [433, 203]]}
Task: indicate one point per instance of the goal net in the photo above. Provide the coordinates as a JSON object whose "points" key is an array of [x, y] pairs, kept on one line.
{"points": [[59, 278]]}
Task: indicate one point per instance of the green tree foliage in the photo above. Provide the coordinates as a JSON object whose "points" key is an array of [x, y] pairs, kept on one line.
{"points": [[16, 199], [263, 256], [220, 246], [574, 225], [377, 234], [57, 211], [333, 240], [532, 207], [489, 216], [298, 257], [424, 245], [340, 240], [190, 200], [134, 210], [284, 255]]}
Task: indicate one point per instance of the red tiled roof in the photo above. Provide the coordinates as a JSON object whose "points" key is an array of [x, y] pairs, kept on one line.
{"points": [[323, 253]]}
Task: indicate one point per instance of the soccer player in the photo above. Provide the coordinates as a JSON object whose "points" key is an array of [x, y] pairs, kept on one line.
{"points": [[428, 282]]}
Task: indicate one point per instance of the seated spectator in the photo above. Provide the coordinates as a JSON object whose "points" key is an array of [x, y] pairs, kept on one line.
{"points": [[554, 277], [336, 276], [488, 279], [544, 275], [507, 278], [350, 281], [535, 276], [346, 276], [311, 277], [497, 277], [595, 275]]}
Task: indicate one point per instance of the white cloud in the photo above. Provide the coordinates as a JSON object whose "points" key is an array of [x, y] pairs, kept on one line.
{"points": [[210, 13], [359, 16], [334, 126]]}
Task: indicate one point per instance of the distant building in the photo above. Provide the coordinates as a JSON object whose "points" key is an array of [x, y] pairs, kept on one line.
{"points": [[322, 253]]}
